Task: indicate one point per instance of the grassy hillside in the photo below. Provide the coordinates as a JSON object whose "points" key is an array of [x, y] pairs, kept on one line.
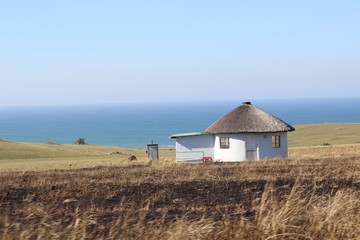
{"points": [[21, 156], [332, 133], [26, 150], [41, 156], [312, 195]]}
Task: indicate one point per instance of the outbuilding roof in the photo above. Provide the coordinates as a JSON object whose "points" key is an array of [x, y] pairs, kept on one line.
{"points": [[188, 134], [248, 118]]}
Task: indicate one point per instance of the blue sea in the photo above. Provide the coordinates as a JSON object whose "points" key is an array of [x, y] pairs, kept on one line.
{"points": [[134, 125]]}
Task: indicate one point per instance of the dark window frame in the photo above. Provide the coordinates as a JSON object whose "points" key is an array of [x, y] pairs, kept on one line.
{"points": [[224, 142], [275, 141]]}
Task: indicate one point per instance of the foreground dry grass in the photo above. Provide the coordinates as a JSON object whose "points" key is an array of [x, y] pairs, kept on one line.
{"points": [[300, 198]]}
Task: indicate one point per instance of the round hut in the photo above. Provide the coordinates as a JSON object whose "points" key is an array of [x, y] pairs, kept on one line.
{"points": [[249, 133], [245, 133]]}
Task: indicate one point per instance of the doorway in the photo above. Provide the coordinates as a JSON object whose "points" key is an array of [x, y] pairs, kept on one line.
{"points": [[251, 148]]}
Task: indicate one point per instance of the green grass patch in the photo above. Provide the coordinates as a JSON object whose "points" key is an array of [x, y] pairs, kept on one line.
{"points": [[323, 134]]}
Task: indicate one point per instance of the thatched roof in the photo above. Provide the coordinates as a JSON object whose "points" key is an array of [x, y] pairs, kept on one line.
{"points": [[248, 118]]}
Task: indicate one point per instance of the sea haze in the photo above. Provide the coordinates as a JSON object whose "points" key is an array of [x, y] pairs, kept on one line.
{"points": [[134, 125]]}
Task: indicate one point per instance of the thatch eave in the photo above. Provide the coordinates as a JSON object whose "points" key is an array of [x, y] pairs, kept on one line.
{"points": [[251, 132]]}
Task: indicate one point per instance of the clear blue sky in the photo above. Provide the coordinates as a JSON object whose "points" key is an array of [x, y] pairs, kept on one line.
{"points": [[75, 52]]}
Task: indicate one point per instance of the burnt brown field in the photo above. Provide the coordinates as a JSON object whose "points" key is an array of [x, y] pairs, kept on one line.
{"points": [[272, 199]]}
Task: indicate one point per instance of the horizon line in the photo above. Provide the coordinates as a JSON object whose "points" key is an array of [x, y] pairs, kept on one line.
{"points": [[175, 102]]}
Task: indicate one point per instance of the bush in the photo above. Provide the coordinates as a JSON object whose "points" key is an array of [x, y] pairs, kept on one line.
{"points": [[80, 141]]}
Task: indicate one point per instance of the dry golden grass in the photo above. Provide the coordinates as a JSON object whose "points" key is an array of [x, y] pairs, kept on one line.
{"points": [[321, 152], [305, 197]]}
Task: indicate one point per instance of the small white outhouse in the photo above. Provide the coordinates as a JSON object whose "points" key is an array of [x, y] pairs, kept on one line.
{"points": [[245, 133]]}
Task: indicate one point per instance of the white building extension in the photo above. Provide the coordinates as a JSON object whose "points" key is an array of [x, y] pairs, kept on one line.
{"points": [[245, 133]]}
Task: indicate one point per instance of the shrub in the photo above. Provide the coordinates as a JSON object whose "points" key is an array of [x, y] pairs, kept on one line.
{"points": [[80, 141]]}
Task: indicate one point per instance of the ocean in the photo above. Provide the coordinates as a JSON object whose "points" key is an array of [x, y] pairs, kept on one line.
{"points": [[134, 125]]}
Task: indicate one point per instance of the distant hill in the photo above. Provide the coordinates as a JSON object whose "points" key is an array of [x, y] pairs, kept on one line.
{"points": [[326, 133]]}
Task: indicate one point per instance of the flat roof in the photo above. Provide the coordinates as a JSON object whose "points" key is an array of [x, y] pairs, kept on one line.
{"points": [[189, 134]]}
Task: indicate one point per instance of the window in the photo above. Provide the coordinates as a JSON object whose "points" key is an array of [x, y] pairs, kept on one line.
{"points": [[224, 142], [276, 141]]}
